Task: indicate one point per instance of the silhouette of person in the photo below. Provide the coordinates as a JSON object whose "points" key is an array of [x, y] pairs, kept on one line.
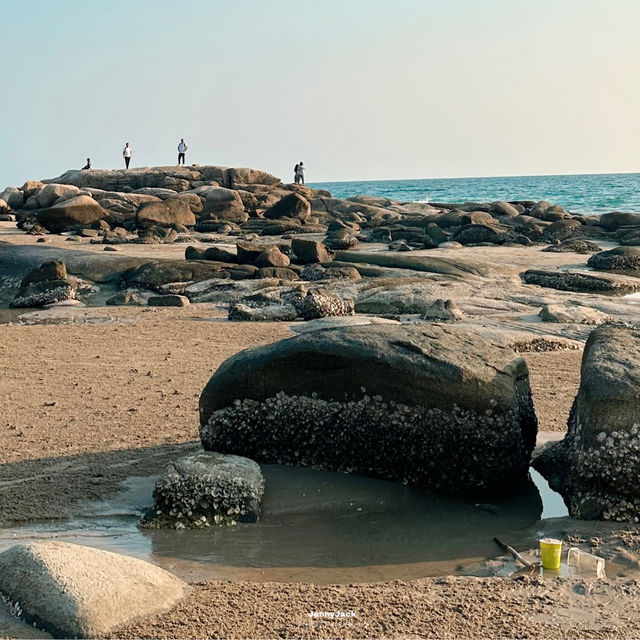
{"points": [[88, 165], [182, 149]]}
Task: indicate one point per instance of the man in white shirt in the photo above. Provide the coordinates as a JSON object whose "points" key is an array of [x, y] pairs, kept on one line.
{"points": [[182, 148], [126, 154]]}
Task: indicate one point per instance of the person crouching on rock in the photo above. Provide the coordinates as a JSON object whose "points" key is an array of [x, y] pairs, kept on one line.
{"points": [[182, 149], [126, 154], [88, 165]]}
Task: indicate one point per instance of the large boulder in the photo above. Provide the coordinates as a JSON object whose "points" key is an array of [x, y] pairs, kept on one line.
{"points": [[561, 230], [206, 489], [70, 214], [624, 259], [428, 406], [155, 273], [13, 197], [81, 592], [272, 257], [596, 466], [167, 213], [308, 251], [52, 193], [224, 204], [292, 206], [574, 314], [616, 219], [321, 303]]}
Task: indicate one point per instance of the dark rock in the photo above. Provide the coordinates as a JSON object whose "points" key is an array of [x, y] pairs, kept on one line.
{"points": [[308, 251], [167, 213], [574, 246], [341, 239], [153, 274], [321, 303], [206, 489], [427, 406], [126, 298], [582, 281], [45, 285], [616, 219], [283, 273], [477, 233], [561, 230], [596, 466], [291, 206], [272, 257], [623, 259], [170, 300], [68, 215]]}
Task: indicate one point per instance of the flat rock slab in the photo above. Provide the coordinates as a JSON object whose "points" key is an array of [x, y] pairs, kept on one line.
{"points": [[431, 406], [582, 281], [206, 489], [169, 300], [80, 592]]}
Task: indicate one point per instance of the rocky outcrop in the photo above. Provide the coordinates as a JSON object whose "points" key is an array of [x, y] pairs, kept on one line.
{"points": [[582, 281], [206, 489], [80, 592], [45, 285], [595, 467], [431, 407], [320, 303], [168, 300], [292, 206], [620, 259], [309, 251]]}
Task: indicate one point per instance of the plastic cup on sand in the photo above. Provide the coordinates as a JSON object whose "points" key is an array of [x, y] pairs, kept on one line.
{"points": [[551, 552]]}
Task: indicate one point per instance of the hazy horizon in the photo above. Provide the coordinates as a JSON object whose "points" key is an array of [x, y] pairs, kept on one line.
{"points": [[364, 90]]}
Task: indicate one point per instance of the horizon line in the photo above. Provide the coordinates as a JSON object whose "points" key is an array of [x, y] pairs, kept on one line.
{"points": [[532, 175]]}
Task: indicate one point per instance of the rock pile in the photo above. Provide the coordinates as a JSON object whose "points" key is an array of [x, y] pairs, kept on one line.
{"points": [[47, 284]]}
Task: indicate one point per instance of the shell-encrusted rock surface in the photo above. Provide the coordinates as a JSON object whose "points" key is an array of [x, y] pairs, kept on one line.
{"points": [[431, 406], [206, 489], [596, 466]]}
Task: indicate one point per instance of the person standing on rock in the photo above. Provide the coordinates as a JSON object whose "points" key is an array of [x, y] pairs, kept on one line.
{"points": [[126, 154], [300, 173], [182, 149]]}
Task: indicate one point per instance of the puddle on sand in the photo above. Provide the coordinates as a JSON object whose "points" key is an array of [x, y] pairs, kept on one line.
{"points": [[316, 526]]}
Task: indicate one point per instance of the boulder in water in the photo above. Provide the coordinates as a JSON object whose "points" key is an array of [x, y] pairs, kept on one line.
{"points": [[429, 406]]}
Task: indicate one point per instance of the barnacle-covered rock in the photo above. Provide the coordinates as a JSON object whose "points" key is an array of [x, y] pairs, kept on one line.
{"points": [[596, 466], [430, 406], [45, 285], [206, 489]]}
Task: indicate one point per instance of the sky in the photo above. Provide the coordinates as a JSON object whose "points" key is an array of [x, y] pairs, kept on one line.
{"points": [[357, 89]]}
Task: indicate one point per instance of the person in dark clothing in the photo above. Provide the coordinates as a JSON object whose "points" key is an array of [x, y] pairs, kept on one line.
{"points": [[182, 149], [127, 152], [88, 165]]}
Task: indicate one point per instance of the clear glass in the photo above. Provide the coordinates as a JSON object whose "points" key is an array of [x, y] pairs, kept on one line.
{"points": [[584, 561]]}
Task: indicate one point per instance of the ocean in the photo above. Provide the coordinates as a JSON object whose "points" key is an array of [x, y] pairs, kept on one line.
{"points": [[587, 194]]}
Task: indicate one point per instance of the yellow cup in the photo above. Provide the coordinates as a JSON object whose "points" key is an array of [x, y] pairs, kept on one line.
{"points": [[551, 551]]}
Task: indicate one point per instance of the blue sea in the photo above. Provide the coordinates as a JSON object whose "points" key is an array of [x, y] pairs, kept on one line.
{"points": [[588, 194]]}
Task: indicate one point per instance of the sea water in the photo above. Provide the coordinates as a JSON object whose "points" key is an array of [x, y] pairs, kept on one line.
{"points": [[587, 194]]}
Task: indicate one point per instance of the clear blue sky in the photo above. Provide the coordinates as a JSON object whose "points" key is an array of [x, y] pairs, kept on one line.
{"points": [[358, 89]]}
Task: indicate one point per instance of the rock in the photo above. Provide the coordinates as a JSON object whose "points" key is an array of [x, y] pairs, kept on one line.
{"points": [[428, 406], [70, 214], [443, 311], [623, 259], [52, 193], [156, 273], [274, 312], [436, 234], [574, 246], [340, 239], [272, 257], [282, 273], [224, 204], [582, 281], [320, 303], [81, 592], [308, 251], [165, 214], [126, 298], [220, 255], [561, 230], [616, 219], [245, 176], [292, 206], [45, 285], [315, 271], [572, 314], [476, 234], [30, 188], [7, 217], [206, 489], [500, 208], [13, 197], [399, 245], [170, 300], [595, 467]]}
